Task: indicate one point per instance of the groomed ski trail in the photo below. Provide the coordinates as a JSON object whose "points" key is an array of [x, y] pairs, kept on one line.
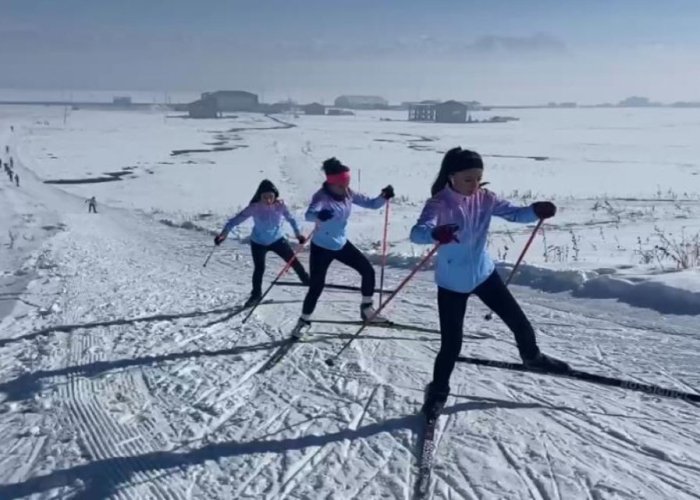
{"points": [[173, 407]]}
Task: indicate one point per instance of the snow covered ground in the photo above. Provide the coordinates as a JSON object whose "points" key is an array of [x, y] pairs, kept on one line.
{"points": [[125, 373]]}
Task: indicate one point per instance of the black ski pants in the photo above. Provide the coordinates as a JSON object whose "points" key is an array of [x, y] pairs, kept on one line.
{"points": [[452, 307], [280, 247], [319, 261]]}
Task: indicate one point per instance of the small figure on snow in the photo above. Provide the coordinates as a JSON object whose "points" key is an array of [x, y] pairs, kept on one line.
{"points": [[17, 179], [92, 205], [458, 217], [330, 209], [268, 212]]}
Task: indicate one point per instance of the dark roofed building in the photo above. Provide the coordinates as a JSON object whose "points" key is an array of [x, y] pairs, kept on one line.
{"points": [[440, 112], [314, 109], [203, 108], [421, 112], [233, 100], [450, 112], [361, 102]]}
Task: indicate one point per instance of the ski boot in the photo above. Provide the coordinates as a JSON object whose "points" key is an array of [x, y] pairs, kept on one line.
{"points": [[252, 300], [433, 401], [303, 323], [543, 363], [369, 314]]}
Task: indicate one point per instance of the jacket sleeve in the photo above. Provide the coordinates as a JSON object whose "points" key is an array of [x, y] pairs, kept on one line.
{"points": [[364, 201], [289, 218], [317, 204], [421, 232], [237, 219], [506, 210]]}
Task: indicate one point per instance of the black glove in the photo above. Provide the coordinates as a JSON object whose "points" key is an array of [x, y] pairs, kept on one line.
{"points": [[445, 234], [219, 239], [544, 209], [301, 238], [324, 215], [388, 192]]}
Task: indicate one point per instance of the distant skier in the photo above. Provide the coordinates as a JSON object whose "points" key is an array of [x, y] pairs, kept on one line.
{"points": [[330, 208], [12, 163], [92, 205], [268, 212], [458, 217], [17, 179]]}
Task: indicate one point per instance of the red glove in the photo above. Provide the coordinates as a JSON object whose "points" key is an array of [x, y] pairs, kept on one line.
{"points": [[219, 239], [445, 234], [301, 238], [544, 209]]}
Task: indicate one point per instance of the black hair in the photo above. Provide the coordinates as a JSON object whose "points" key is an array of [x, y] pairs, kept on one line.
{"points": [[333, 166], [455, 160], [266, 186]]}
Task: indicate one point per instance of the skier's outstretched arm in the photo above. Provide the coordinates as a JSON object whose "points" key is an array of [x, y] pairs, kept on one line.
{"points": [[365, 201], [237, 219], [508, 211], [317, 204], [421, 232]]}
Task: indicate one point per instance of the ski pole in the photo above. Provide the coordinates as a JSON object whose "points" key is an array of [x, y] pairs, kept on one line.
{"points": [[381, 275], [331, 361], [489, 316], [209, 257], [279, 275]]}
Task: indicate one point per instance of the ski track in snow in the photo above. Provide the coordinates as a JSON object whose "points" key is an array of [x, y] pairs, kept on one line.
{"points": [[153, 389]]}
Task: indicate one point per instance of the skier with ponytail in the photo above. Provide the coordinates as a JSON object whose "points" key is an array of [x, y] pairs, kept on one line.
{"points": [[457, 217], [330, 209], [268, 212]]}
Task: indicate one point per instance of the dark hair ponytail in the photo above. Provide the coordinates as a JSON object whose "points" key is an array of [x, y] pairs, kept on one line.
{"points": [[455, 160], [265, 186]]}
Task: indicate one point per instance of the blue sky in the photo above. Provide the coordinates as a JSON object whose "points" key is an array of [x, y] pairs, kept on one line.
{"points": [[493, 51]]}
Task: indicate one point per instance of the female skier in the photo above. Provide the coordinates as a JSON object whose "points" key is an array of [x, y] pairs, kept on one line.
{"points": [[458, 217], [267, 211], [330, 209]]}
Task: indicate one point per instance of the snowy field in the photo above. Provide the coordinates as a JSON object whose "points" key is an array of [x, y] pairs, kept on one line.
{"points": [[125, 374]]}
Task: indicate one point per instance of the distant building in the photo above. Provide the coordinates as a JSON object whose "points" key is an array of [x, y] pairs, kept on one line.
{"points": [[361, 102], [121, 101], [203, 108], [277, 107], [443, 112], [636, 102], [314, 109], [421, 112], [450, 112], [233, 100], [339, 112]]}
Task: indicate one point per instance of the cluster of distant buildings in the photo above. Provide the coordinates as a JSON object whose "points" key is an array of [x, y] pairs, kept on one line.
{"points": [[215, 104], [629, 102]]}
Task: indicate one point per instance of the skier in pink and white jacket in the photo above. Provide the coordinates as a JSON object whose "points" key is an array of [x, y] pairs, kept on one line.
{"points": [[458, 217]]}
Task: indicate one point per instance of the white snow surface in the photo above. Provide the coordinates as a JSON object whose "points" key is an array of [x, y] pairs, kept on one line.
{"points": [[125, 374]]}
